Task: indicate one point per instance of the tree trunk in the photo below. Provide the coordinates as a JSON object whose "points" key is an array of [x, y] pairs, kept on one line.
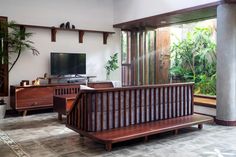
{"points": [[18, 56]]}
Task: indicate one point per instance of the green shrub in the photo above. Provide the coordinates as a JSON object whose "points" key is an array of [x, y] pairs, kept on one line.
{"points": [[194, 59]]}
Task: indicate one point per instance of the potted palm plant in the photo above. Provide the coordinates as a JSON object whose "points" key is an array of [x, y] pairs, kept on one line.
{"points": [[111, 65], [3, 107], [17, 41]]}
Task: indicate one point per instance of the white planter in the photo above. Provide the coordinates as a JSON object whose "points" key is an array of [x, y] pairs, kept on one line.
{"points": [[2, 111]]}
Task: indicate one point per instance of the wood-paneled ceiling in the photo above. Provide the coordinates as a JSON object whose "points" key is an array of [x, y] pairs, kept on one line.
{"points": [[176, 17]]}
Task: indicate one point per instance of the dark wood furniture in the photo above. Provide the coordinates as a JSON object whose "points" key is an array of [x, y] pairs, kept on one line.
{"points": [[118, 114], [99, 85], [4, 83], [81, 32], [146, 129], [79, 77], [62, 102], [24, 98]]}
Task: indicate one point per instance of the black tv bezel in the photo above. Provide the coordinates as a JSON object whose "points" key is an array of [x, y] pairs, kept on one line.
{"points": [[69, 54]]}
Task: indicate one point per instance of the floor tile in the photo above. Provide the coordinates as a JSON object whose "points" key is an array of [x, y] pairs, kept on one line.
{"points": [[42, 135]]}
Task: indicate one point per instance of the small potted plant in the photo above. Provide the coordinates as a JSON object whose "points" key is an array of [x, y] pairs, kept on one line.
{"points": [[111, 65], [3, 107]]}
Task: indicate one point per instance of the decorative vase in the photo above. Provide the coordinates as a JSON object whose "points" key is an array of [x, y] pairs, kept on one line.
{"points": [[107, 77], [3, 110]]}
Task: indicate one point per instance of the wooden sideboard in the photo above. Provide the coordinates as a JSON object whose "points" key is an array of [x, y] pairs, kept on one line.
{"points": [[23, 98], [32, 97]]}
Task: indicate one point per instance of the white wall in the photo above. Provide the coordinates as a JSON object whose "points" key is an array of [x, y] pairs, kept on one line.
{"points": [[128, 10], [85, 14]]}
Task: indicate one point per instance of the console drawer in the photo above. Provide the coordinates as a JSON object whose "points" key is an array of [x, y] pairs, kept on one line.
{"points": [[34, 97]]}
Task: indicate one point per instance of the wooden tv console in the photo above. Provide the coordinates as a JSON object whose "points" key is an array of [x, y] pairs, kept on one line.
{"points": [[32, 97], [24, 98]]}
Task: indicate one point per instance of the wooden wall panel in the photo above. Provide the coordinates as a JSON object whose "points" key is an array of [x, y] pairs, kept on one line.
{"points": [[126, 64], [146, 60], [140, 58], [150, 57], [163, 55], [134, 55]]}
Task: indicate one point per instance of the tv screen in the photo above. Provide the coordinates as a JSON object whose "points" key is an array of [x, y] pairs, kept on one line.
{"points": [[68, 63]]}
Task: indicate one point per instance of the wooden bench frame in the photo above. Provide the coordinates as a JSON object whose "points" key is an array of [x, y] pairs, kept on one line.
{"points": [[65, 96], [80, 116]]}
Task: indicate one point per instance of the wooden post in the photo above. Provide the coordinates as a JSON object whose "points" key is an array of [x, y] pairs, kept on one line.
{"points": [[24, 113], [145, 138], [200, 126], [59, 117], [108, 146], [176, 132]]}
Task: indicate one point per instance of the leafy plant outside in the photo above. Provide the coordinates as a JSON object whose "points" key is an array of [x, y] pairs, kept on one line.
{"points": [[194, 59]]}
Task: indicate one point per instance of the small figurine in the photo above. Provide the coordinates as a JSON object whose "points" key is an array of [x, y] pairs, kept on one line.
{"points": [[67, 25], [62, 25]]}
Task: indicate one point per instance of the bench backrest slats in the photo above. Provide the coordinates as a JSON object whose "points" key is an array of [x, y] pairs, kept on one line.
{"points": [[98, 110], [66, 90]]}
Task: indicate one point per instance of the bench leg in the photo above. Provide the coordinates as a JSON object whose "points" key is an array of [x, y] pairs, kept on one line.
{"points": [[24, 113], [176, 132], [108, 146], [59, 117], [200, 126], [145, 138]]}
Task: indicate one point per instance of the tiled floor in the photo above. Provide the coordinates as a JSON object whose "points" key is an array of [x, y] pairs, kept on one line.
{"points": [[42, 135]]}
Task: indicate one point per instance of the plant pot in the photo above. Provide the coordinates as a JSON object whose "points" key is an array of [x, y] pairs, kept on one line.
{"points": [[3, 110]]}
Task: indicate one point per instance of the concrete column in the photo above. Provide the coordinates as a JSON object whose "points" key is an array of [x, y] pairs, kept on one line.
{"points": [[226, 64]]}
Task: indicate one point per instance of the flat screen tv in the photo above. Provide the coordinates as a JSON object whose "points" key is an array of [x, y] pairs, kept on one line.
{"points": [[68, 63]]}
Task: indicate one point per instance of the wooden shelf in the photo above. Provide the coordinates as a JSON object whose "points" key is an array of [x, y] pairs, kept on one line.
{"points": [[54, 30]]}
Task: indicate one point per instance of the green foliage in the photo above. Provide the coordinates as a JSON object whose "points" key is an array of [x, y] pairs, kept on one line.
{"points": [[112, 64], [17, 40], [194, 59]]}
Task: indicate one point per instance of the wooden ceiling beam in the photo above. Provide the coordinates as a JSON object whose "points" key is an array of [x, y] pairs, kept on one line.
{"points": [[187, 15]]}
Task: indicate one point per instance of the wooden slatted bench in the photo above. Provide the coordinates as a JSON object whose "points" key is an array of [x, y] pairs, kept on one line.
{"points": [[119, 114]]}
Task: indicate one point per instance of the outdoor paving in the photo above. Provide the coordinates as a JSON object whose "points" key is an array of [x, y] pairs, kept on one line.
{"points": [[42, 135]]}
